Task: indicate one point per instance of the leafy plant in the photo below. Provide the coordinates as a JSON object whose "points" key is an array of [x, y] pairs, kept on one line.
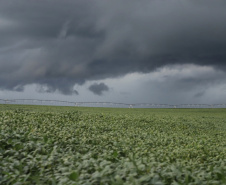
{"points": [[112, 146]]}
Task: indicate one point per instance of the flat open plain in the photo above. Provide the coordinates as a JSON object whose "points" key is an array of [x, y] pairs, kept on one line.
{"points": [[79, 145]]}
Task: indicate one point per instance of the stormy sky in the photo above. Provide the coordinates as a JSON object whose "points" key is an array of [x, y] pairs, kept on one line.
{"points": [[128, 51]]}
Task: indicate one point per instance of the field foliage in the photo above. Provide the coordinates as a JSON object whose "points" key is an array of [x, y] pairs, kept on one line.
{"points": [[69, 145]]}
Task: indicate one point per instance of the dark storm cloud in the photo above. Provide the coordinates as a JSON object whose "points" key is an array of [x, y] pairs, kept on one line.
{"points": [[98, 88], [61, 43]]}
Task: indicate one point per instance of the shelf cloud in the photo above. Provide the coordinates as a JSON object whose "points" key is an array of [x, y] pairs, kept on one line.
{"points": [[58, 44]]}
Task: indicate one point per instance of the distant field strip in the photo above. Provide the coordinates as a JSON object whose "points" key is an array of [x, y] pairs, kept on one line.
{"points": [[106, 104]]}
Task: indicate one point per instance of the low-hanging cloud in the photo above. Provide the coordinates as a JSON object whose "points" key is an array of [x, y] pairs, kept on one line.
{"points": [[98, 89], [58, 44]]}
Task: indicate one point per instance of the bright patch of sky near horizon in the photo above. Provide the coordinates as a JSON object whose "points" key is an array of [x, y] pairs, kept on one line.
{"points": [[177, 80]]}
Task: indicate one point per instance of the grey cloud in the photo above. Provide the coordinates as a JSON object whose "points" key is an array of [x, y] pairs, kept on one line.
{"points": [[66, 89], [61, 43], [192, 78], [98, 89], [199, 94]]}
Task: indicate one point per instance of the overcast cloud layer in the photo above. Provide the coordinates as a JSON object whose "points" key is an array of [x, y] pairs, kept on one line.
{"points": [[58, 44]]}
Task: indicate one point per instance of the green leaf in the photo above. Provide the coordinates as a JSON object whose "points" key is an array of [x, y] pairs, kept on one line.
{"points": [[115, 154], [73, 176]]}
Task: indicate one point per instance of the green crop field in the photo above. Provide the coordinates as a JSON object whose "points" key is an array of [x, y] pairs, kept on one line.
{"points": [[75, 145]]}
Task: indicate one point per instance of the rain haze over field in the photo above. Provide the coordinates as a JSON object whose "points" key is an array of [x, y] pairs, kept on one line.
{"points": [[129, 51]]}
